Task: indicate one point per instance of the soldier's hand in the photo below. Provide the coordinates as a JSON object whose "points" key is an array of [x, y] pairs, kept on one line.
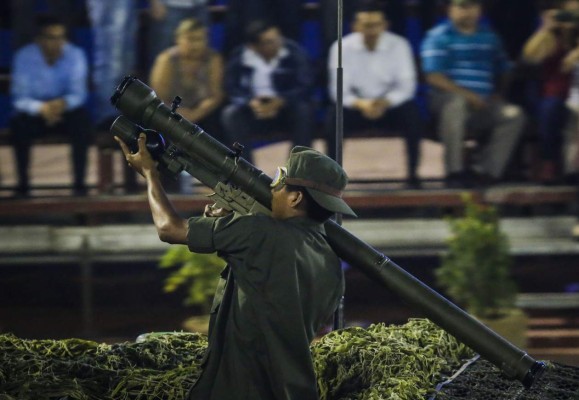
{"points": [[212, 210], [141, 161]]}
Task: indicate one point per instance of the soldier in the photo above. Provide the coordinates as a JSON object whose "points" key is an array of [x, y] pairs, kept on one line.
{"points": [[282, 282]]}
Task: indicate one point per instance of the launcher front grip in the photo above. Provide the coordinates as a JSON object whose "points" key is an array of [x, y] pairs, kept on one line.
{"points": [[141, 105]]}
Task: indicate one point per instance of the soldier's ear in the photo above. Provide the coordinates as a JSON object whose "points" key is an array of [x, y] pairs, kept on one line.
{"points": [[295, 199]]}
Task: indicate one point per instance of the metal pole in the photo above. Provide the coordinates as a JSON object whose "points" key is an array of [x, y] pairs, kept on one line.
{"points": [[339, 313], [86, 288]]}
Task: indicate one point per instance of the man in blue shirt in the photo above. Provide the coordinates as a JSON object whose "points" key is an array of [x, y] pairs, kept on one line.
{"points": [[49, 90], [463, 60]]}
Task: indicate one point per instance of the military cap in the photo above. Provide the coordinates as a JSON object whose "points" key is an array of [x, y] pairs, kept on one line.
{"points": [[323, 178]]}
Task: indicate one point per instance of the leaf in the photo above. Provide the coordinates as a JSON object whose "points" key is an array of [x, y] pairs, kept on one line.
{"points": [[198, 273]]}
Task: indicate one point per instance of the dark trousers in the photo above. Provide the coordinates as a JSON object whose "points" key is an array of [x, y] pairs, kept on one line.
{"points": [[553, 116], [240, 125], [405, 118], [26, 128]]}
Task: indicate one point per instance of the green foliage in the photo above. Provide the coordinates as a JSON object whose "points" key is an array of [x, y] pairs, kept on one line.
{"points": [[386, 362], [162, 367], [476, 270], [197, 272], [381, 362]]}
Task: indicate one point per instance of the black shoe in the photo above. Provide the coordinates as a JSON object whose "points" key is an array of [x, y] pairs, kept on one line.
{"points": [[458, 180], [413, 183], [571, 179], [485, 180], [21, 192], [80, 190]]}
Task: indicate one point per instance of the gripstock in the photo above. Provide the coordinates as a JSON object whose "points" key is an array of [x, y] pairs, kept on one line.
{"points": [[141, 106]]}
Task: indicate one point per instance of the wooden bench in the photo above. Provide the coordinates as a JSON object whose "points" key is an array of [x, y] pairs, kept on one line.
{"points": [[364, 201], [106, 148], [105, 156]]}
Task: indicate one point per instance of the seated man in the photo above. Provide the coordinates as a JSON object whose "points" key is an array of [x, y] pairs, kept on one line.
{"points": [[49, 90], [379, 82], [268, 81], [462, 60]]}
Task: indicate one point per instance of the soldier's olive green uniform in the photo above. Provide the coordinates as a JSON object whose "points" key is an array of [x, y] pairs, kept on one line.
{"points": [[282, 282]]}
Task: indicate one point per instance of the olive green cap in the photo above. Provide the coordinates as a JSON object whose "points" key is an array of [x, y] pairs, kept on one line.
{"points": [[322, 177]]}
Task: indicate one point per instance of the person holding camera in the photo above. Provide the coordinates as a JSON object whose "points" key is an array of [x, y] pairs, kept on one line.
{"points": [[554, 48], [268, 81]]}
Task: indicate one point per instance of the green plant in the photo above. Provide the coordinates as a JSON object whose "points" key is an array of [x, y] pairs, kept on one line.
{"points": [[197, 272], [476, 269]]}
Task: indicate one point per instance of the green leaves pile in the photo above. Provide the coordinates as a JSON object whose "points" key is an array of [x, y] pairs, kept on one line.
{"points": [[386, 362], [162, 367], [381, 362]]}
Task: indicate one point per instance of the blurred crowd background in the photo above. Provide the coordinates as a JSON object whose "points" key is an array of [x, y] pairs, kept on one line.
{"points": [[499, 73]]}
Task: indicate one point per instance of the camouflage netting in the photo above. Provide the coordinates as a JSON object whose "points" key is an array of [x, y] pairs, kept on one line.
{"points": [[386, 362], [162, 367], [483, 381], [380, 362]]}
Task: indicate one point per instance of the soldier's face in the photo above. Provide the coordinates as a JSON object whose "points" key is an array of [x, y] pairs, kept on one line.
{"points": [[279, 202]]}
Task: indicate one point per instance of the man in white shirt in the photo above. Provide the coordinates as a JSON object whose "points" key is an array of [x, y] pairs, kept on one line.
{"points": [[379, 83]]}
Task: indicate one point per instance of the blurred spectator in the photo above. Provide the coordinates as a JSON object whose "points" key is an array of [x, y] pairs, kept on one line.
{"points": [[194, 72], [285, 14], [463, 60], [379, 83], [397, 11], [552, 47], [268, 81], [166, 16], [23, 29], [49, 91], [114, 27]]}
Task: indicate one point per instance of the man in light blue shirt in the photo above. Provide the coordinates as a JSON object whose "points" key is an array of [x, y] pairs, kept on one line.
{"points": [[462, 60], [49, 91]]}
